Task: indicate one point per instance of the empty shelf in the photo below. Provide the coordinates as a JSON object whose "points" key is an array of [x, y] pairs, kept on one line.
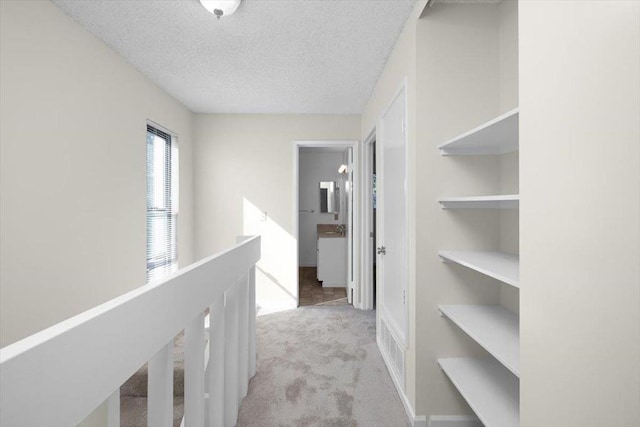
{"points": [[494, 327], [500, 266], [507, 201], [491, 391], [495, 137]]}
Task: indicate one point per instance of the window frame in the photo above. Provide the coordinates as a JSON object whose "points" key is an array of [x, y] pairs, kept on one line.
{"points": [[164, 264]]}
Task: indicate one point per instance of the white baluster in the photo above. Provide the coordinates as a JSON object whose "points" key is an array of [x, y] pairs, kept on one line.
{"points": [[160, 388], [113, 409], [243, 337], [194, 372], [252, 322], [215, 370], [231, 357]]}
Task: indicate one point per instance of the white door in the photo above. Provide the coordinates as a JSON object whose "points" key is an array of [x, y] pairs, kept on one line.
{"points": [[350, 218], [391, 170]]}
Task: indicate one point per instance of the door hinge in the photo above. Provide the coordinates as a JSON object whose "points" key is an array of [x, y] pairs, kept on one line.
{"points": [[404, 126], [404, 296]]}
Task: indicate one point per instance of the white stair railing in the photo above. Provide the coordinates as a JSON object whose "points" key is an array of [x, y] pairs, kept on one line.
{"points": [[56, 377]]}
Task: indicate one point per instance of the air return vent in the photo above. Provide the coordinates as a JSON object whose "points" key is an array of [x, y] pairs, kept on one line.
{"points": [[392, 351]]}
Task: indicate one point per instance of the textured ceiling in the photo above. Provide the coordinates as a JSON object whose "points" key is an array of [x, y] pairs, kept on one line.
{"points": [[271, 56]]}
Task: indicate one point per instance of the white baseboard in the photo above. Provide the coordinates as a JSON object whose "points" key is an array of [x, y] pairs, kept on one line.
{"points": [[419, 421], [454, 421]]}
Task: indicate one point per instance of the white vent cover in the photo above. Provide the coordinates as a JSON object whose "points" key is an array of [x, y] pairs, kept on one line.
{"points": [[393, 353]]}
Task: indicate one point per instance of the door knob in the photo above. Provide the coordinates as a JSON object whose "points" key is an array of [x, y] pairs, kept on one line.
{"points": [[382, 250]]}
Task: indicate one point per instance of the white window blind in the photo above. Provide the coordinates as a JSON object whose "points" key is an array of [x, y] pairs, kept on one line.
{"points": [[162, 203]]}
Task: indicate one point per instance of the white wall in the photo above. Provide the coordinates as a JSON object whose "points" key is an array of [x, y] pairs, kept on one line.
{"points": [[580, 213], [401, 67], [509, 163], [73, 153], [458, 87], [243, 168], [315, 166], [73, 164]]}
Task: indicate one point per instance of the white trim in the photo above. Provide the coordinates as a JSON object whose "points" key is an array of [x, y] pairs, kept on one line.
{"points": [[351, 201], [162, 128], [454, 421], [175, 178], [380, 212], [365, 285], [415, 421], [354, 145], [405, 88]]}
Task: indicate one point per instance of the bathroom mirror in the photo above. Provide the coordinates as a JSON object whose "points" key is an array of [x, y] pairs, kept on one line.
{"points": [[329, 197]]}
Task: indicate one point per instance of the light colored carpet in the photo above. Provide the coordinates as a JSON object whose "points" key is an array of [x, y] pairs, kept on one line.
{"points": [[320, 366]]}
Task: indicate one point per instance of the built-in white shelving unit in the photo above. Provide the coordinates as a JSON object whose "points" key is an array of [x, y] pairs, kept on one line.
{"points": [[489, 385], [495, 137], [506, 201], [494, 327], [491, 391], [501, 266]]}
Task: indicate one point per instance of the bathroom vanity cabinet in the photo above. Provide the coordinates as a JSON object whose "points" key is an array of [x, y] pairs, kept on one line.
{"points": [[332, 261]]}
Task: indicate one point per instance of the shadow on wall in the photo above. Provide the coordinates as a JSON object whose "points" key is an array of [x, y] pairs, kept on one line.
{"points": [[276, 272]]}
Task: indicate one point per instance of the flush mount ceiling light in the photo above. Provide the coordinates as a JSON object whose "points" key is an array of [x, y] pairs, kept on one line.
{"points": [[221, 7]]}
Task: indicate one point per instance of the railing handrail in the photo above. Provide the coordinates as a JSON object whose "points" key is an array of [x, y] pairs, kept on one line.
{"points": [[59, 375]]}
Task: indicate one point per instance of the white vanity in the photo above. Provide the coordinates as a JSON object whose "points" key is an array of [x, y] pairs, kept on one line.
{"points": [[332, 256]]}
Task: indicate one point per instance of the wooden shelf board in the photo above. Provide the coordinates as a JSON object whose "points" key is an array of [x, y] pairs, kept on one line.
{"points": [[495, 137], [491, 391], [506, 201], [494, 327], [500, 266]]}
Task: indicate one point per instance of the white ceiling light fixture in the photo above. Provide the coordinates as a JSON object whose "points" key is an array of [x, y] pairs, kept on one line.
{"points": [[221, 7]]}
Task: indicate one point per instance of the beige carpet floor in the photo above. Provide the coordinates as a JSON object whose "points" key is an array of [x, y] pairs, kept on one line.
{"points": [[320, 366]]}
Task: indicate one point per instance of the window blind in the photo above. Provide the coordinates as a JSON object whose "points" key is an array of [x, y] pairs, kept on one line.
{"points": [[162, 204]]}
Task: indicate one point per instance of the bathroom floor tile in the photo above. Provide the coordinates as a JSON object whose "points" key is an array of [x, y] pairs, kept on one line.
{"points": [[311, 290]]}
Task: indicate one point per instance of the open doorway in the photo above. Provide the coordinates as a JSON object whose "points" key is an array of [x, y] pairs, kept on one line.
{"points": [[369, 219], [373, 196], [325, 221]]}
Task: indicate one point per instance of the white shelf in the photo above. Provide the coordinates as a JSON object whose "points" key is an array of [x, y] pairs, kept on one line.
{"points": [[495, 137], [493, 327], [506, 201], [500, 266], [491, 391]]}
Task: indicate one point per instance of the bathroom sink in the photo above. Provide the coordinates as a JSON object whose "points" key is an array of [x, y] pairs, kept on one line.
{"points": [[331, 230], [331, 234]]}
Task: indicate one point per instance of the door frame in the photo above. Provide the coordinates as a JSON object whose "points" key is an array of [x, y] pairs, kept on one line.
{"points": [[367, 259], [402, 336], [355, 229]]}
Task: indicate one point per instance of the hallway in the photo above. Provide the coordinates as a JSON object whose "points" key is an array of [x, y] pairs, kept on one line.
{"points": [[320, 366]]}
